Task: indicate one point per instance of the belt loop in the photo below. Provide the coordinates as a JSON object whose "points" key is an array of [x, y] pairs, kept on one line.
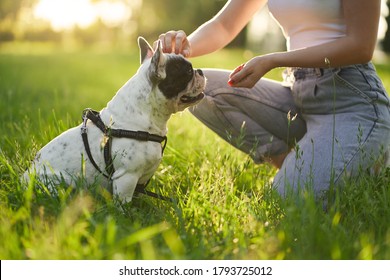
{"points": [[319, 72]]}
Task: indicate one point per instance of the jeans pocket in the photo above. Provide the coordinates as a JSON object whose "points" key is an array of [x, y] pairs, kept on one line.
{"points": [[353, 80], [363, 80], [304, 93]]}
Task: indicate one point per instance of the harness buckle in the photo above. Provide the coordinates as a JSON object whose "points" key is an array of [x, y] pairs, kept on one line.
{"points": [[85, 119], [84, 129]]}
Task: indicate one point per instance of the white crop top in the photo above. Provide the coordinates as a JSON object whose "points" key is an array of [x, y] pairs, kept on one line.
{"points": [[307, 23]]}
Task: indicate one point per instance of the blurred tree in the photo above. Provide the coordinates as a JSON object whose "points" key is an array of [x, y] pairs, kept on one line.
{"points": [[11, 8], [386, 40], [9, 12], [148, 18]]}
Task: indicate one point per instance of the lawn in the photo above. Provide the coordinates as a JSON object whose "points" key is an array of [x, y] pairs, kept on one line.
{"points": [[223, 206]]}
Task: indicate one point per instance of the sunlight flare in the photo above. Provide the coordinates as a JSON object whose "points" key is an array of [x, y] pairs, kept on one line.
{"points": [[66, 14]]}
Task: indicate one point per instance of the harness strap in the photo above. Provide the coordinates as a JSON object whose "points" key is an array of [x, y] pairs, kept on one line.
{"points": [[84, 136], [94, 116]]}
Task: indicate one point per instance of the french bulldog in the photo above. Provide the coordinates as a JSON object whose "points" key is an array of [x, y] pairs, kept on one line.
{"points": [[163, 85]]}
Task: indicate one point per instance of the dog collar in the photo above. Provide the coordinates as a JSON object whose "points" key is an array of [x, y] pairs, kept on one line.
{"points": [[94, 116]]}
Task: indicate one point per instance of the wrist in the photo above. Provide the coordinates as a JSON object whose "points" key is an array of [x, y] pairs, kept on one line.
{"points": [[273, 61]]}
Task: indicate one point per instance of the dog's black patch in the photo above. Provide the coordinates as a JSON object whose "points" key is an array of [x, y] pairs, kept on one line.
{"points": [[179, 73]]}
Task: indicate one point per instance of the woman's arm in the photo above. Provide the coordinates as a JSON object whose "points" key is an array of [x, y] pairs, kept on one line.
{"points": [[215, 33], [362, 19], [224, 27]]}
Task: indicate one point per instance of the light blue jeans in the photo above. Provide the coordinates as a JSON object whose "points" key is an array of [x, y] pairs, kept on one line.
{"points": [[335, 122]]}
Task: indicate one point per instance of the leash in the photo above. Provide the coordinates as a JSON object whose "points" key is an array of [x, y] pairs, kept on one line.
{"points": [[110, 133]]}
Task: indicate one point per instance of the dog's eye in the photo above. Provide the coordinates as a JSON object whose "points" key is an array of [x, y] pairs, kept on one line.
{"points": [[190, 72]]}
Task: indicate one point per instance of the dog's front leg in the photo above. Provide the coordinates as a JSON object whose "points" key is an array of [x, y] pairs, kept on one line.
{"points": [[124, 187]]}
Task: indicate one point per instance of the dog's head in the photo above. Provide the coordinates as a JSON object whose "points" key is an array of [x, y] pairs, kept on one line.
{"points": [[172, 76]]}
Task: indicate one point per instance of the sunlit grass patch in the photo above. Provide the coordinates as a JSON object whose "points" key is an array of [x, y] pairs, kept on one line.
{"points": [[223, 205]]}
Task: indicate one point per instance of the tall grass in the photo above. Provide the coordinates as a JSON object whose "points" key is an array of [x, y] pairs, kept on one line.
{"points": [[223, 205]]}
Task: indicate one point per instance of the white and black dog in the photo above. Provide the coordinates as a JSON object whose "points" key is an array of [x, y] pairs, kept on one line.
{"points": [[124, 141]]}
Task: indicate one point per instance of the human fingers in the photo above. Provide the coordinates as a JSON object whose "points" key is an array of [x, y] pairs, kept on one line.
{"points": [[246, 82], [182, 45], [244, 76], [233, 79], [166, 41], [175, 42], [248, 74]]}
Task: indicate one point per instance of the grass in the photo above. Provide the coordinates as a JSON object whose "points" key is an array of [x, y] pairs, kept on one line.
{"points": [[223, 209]]}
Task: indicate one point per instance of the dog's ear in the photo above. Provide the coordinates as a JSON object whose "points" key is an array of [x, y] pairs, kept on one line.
{"points": [[157, 65], [146, 50]]}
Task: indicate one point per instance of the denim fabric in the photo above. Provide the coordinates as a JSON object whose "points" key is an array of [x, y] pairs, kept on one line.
{"points": [[336, 120]]}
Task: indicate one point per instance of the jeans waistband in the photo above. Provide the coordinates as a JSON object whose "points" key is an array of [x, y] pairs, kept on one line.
{"points": [[300, 73]]}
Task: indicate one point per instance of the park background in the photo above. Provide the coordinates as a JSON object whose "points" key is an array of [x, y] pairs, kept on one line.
{"points": [[109, 24], [59, 57]]}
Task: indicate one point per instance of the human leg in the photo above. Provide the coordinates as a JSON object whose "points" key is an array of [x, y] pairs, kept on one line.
{"points": [[253, 120], [348, 129]]}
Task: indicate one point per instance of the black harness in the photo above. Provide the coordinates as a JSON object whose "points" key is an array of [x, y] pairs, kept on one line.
{"points": [[109, 133]]}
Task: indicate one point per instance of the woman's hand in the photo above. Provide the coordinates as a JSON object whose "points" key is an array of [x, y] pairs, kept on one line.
{"points": [[175, 42], [248, 74]]}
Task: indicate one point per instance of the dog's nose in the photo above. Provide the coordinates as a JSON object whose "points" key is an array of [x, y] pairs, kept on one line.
{"points": [[200, 72]]}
